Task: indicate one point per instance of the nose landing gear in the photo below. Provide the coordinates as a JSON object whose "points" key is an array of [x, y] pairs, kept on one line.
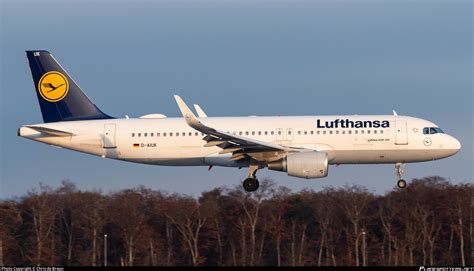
{"points": [[401, 182]]}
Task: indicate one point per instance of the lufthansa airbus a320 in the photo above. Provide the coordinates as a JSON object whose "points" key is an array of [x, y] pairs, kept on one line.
{"points": [[302, 146]]}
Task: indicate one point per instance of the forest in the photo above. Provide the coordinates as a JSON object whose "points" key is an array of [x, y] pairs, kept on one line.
{"points": [[427, 223]]}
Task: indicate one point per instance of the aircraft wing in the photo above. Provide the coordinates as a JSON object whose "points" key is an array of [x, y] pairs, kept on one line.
{"points": [[239, 146], [50, 131]]}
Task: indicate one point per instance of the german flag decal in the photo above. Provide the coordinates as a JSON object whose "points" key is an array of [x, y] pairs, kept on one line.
{"points": [[136, 145]]}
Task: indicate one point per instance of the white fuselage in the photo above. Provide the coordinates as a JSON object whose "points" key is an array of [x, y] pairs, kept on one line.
{"points": [[171, 142]]}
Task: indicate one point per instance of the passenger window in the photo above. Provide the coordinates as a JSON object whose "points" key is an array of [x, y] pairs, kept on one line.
{"points": [[190, 134], [259, 132], [381, 131], [356, 132], [196, 133], [247, 133], [312, 132], [266, 132], [171, 134], [349, 132], [305, 132], [272, 132], [253, 132], [139, 134], [343, 132], [157, 134], [375, 131], [362, 131], [240, 133], [337, 132], [368, 131], [279, 132], [133, 134], [317, 132], [164, 134], [183, 134], [324, 132], [330, 132], [299, 132]]}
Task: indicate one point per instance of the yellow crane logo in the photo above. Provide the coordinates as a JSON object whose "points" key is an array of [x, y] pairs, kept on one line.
{"points": [[53, 86]]}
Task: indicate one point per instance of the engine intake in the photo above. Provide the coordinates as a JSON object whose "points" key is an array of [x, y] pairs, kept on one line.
{"points": [[310, 164]]}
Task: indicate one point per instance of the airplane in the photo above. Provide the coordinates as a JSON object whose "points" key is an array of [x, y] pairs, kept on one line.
{"points": [[301, 146]]}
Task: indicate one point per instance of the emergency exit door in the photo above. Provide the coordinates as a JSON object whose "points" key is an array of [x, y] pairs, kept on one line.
{"points": [[109, 136]]}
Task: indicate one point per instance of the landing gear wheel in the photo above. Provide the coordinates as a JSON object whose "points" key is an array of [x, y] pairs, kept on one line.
{"points": [[401, 183], [251, 184]]}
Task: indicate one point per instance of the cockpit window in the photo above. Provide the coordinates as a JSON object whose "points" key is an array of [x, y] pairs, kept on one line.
{"points": [[432, 130]]}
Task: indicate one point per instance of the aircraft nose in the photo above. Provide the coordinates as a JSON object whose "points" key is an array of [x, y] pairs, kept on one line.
{"points": [[454, 145], [457, 144]]}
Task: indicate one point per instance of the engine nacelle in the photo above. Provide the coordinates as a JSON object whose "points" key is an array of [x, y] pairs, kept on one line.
{"points": [[310, 164]]}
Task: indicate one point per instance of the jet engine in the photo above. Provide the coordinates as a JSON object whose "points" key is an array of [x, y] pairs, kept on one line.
{"points": [[310, 164]]}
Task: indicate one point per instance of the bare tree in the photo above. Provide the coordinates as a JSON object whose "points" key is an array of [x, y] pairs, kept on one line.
{"points": [[353, 200], [459, 207], [275, 212], [323, 213], [387, 218], [126, 212], [251, 204], [189, 222], [233, 227], [92, 219], [39, 208], [299, 215], [10, 221], [68, 199]]}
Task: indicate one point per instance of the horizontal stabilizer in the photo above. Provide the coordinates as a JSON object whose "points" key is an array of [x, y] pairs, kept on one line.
{"points": [[51, 131]]}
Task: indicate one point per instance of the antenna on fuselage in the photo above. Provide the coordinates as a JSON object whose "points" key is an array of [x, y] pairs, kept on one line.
{"points": [[395, 113]]}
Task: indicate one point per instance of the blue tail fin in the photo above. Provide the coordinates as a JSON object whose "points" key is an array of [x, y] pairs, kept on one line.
{"points": [[60, 98]]}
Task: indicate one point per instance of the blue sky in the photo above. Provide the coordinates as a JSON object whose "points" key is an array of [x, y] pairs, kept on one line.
{"points": [[237, 58]]}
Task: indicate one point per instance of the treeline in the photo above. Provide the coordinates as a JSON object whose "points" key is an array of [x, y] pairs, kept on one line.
{"points": [[427, 223]]}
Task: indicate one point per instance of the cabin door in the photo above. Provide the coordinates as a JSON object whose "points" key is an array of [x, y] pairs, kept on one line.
{"points": [[109, 136], [401, 135]]}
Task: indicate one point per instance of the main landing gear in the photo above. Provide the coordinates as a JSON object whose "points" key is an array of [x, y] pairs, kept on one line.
{"points": [[251, 183], [401, 182]]}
